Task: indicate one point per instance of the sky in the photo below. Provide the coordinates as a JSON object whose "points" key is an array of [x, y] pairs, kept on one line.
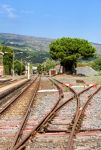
{"points": [[52, 18]]}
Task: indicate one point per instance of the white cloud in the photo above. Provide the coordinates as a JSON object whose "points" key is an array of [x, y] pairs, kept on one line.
{"points": [[8, 10]]}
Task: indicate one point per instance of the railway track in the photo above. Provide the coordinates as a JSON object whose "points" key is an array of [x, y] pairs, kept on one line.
{"points": [[10, 108], [42, 126], [42, 123], [17, 106], [79, 115], [23, 122], [9, 101], [75, 125], [75, 100]]}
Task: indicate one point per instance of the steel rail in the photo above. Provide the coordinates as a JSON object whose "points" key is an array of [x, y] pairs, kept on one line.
{"points": [[13, 100], [62, 105], [76, 96], [78, 115], [55, 109], [68, 131], [42, 122], [23, 122], [78, 111]]}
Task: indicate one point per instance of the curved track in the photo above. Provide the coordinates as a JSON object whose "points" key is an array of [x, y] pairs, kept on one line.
{"points": [[78, 119], [42, 126], [16, 107], [79, 103]]}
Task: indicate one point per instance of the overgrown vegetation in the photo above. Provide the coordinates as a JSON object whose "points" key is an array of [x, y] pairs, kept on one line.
{"points": [[19, 67], [9, 63], [7, 59], [46, 65], [97, 64]]}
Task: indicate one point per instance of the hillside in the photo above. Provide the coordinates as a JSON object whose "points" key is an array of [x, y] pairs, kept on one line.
{"points": [[30, 48], [98, 48]]}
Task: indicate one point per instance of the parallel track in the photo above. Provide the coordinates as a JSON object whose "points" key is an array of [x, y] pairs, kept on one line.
{"points": [[16, 139], [8, 104], [78, 118], [42, 123], [51, 114]]}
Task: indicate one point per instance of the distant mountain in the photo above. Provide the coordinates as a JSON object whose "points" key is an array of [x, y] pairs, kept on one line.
{"points": [[30, 48], [98, 49]]}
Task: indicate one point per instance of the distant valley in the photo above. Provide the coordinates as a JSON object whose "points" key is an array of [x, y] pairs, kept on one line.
{"points": [[31, 49]]}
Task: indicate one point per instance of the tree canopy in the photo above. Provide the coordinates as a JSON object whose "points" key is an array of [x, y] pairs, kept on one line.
{"points": [[19, 67], [7, 58], [46, 65], [69, 50]]}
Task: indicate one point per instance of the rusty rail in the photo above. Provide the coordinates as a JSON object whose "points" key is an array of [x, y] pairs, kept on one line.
{"points": [[21, 144], [26, 114], [78, 115], [50, 115], [13, 100]]}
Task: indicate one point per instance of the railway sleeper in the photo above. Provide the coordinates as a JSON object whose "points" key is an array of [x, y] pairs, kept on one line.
{"points": [[79, 124], [70, 127], [50, 119], [41, 130], [71, 124], [44, 127]]}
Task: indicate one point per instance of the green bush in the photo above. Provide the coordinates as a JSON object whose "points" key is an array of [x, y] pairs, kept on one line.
{"points": [[97, 64], [19, 67]]}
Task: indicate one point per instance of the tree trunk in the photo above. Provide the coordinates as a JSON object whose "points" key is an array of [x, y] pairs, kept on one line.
{"points": [[70, 67]]}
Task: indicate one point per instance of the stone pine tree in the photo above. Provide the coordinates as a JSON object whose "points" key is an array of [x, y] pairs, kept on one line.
{"points": [[69, 50]]}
